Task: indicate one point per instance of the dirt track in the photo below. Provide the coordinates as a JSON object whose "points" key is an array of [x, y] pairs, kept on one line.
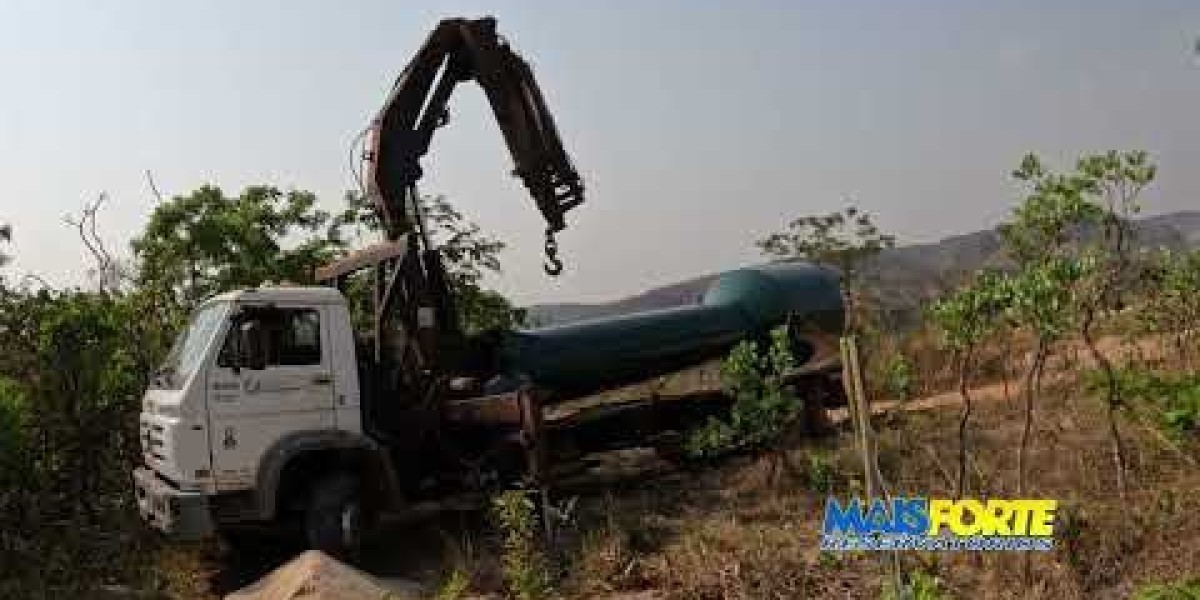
{"points": [[415, 552]]}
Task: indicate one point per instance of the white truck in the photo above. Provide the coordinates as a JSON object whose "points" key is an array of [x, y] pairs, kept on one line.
{"points": [[256, 381], [272, 410]]}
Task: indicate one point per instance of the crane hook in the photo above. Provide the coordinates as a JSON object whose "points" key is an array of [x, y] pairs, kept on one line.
{"points": [[553, 265]]}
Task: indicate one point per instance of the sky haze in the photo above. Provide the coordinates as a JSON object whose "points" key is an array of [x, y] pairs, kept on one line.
{"points": [[698, 126]]}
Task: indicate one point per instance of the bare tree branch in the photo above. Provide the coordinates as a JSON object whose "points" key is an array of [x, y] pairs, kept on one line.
{"points": [[5, 236], [153, 187], [108, 275], [28, 277]]}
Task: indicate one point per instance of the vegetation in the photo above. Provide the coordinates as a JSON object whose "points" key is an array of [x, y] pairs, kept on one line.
{"points": [[844, 241], [76, 362], [899, 377], [1172, 398], [764, 407], [1184, 590], [70, 381], [966, 318], [526, 570], [468, 254], [1110, 183], [206, 242], [1172, 309], [5, 237], [455, 587], [921, 586]]}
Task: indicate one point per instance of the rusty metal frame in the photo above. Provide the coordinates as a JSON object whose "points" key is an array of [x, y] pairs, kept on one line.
{"points": [[456, 51], [360, 259]]}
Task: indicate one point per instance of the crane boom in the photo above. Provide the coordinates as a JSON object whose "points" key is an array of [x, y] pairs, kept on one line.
{"points": [[461, 50], [416, 332]]}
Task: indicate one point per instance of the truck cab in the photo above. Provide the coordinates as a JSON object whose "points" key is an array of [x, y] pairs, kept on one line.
{"points": [[256, 378]]}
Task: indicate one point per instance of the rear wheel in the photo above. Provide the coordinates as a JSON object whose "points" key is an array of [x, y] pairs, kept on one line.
{"points": [[336, 518], [244, 541], [818, 396], [671, 446]]}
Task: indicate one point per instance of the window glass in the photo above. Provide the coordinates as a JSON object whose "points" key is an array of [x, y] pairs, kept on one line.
{"points": [[291, 337], [301, 338], [189, 347]]}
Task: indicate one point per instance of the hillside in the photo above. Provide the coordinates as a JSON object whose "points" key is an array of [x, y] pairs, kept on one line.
{"points": [[904, 277], [640, 528]]}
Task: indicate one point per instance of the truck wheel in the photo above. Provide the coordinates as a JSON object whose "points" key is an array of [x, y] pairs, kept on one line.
{"points": [[821, 395], [336, 517], [672, 448], [244, 542]]}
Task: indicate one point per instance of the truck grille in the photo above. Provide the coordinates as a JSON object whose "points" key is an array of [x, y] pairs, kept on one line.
{"points": [[152, 440]]}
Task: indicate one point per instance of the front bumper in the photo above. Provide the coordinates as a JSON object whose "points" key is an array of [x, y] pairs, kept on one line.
{"points": [[181, 515]]}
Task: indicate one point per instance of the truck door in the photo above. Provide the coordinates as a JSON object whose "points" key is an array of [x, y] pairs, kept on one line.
{"points": [[251, 409]]}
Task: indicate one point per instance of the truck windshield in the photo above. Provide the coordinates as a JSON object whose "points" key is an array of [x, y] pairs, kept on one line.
{"points": [[189, 347]]}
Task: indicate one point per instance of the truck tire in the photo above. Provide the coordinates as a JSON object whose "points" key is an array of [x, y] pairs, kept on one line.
{"points": [[671, 447], [336, 518], [244, 542]]}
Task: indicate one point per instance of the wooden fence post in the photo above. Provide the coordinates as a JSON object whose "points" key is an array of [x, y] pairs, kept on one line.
{"points": [[860, 415]]}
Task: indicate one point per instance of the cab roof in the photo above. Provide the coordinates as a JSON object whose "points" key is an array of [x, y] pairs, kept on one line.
{"points": [[288, 294]]}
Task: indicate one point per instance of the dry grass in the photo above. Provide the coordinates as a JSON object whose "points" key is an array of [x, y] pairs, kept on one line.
{"points": [[733, 531], [1105, 546], [726, 533]]}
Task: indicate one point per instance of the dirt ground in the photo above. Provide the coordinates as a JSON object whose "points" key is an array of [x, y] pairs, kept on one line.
{"points": [[748, 527]]}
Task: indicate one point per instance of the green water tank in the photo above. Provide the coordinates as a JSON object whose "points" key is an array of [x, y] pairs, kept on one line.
{"points": [[583, 357]]}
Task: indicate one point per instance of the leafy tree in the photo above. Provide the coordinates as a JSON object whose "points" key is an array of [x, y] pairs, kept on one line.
{"points": [[842, 240], [966, 318], [1113, 183], [468, 253], [5, 236], [76, 363], [1101, 193], [70, 385], [1173, 305], [1050, 217], [1042, 237], [1041, 301], [206, 242]]}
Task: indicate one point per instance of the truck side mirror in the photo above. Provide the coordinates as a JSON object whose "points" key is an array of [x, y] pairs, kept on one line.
{"points": [[252, 353]]}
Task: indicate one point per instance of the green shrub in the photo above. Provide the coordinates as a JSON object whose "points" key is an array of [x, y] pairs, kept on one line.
{"points": [[821, 472], [1182, 590], [14, 444], [763, 406], [921, 586], [526, 570], [1174, 398], [455, 587], [71, 379], [899, 377]]}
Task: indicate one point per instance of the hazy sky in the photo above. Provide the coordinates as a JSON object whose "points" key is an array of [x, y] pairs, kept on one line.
{"points": [[698, 126]]}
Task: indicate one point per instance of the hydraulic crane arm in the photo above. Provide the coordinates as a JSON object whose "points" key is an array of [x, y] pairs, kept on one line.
{"points": [[460, 50]]}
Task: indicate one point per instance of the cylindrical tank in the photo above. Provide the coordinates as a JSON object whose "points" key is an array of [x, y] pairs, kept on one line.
{"points": [[587, 356]]}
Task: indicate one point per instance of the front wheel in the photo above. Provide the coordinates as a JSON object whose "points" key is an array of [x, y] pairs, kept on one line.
{"points": [[336, 518]]}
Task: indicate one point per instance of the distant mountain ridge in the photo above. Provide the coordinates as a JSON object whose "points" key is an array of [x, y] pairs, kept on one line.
{"points": [[905, 277]]}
